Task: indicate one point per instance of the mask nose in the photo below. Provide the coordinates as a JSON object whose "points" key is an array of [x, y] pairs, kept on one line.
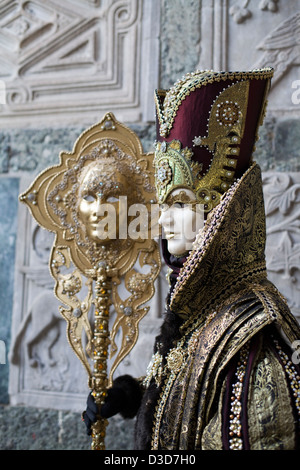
{"points": [[166, 219], [97, 207]]}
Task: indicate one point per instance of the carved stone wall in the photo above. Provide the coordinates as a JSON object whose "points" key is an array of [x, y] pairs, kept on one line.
{"points": [[62, 66], [246, 34], [69, 62]]}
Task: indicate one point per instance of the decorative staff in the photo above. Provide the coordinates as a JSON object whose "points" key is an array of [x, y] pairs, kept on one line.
{"points": [[89, 201]]}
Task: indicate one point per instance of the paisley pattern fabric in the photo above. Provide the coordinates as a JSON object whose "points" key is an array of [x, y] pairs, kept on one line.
{"points": [[225, 354], [268, 420]]}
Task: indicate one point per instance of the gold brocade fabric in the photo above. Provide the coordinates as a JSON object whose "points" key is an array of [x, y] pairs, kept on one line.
{"points": [[270, 415], [269, 403], [224, 294]]}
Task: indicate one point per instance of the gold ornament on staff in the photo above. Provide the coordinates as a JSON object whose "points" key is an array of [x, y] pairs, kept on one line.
{"points": [[107, 169]]}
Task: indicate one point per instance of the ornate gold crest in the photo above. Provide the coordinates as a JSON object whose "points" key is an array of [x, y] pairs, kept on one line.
{"points": [[107, 166]]}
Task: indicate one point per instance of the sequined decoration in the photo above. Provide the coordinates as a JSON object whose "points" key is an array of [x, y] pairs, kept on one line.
{"points": [[235, 427], [228, 113], [292, 374], [154, 370]]}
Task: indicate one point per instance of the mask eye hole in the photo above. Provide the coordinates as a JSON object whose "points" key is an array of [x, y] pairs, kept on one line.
{"points": [[179, 205], [163, 207], [89, 198], [112, 199]]}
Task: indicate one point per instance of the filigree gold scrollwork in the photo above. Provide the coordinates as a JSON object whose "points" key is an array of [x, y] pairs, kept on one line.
{"points": [[90, 258], [175, 360], [76, 314]]}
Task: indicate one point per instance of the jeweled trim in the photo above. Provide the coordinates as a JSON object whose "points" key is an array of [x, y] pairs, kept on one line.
{"points": [[154, 370], [235, 425], [204, 239], [171, 370], [269, 306], [159, 409], [189, 83], [292, 375]]}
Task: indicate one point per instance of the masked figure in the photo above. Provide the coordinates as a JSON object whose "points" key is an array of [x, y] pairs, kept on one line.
{"points": [[223, 373]]}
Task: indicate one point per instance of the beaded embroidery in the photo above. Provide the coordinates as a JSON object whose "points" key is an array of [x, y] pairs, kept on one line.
{"points": [[154, 370], [175, 360], [292, 375], [190, 82], [190, 340], [235, 427]]}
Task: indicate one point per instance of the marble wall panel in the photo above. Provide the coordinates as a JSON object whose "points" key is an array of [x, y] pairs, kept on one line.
{"points": [[9, 188], [242, 35]]}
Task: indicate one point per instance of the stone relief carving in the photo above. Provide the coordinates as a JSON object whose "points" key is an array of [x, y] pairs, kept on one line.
{"points": [[43, 316], [42, 367], [282, 206], [72, 60], [240, 11], [275, 43], [281, 47]]}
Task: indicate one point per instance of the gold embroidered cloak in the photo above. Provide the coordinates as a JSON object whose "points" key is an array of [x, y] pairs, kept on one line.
{"points": [[226, 383]]}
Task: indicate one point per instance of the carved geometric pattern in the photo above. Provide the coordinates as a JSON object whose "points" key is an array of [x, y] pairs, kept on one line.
{"points": [[74, 59], [242, 9]]}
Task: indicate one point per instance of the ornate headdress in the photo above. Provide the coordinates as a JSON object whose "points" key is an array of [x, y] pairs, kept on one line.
{"points": [[207, 125]]}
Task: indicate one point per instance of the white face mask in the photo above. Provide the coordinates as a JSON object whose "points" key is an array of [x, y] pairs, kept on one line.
{"points": [[181, 222]]}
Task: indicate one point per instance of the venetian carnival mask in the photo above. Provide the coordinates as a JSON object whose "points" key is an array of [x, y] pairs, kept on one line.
{"points": [[101, 188], [181, 220]]}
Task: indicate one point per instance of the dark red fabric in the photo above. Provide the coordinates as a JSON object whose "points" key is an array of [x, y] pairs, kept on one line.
{"points": [[255, 100], [192, 118], [227, 404], [226, 411]]}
